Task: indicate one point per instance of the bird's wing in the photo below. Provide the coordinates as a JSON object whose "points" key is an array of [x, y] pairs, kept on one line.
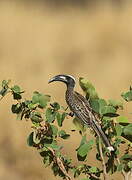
{"points": [[83, 109], [82, 98], [87, 104], [84, 113]]}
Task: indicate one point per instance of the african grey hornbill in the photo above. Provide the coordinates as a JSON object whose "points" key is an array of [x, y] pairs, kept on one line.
{"points": [[80, 106]]}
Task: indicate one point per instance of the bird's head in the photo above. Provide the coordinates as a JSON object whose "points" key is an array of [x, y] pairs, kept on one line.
{"points": [[67, 79]]}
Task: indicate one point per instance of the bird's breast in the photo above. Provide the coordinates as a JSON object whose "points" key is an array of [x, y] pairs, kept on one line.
{"points": [[72, 102]]}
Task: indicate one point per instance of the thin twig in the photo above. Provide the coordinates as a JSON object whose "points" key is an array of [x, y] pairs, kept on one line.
{"points": [[94, 176], [60, 164], [4, 95], [122, 171], [1, 98], [103, 161], [126, 175], [130, 174]]}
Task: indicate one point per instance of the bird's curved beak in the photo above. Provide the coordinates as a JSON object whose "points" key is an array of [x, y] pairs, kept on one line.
{"points": [[58, 78], [51, 80], [55, 78]]}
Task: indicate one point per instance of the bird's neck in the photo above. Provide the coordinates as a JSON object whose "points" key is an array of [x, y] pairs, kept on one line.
{"points": [[70, 89], [69, 94]]}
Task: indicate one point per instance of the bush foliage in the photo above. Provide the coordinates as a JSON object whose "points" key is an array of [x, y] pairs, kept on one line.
{"points": [[47, 119]]}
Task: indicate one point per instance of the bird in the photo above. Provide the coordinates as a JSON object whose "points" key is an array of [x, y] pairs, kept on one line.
{"points": [[81, 108]]}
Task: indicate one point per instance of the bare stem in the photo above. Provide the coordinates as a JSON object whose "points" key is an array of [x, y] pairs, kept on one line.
{"points": [[126, 175], [122, 172], [60, 164], [130, 174], [106, 177]]}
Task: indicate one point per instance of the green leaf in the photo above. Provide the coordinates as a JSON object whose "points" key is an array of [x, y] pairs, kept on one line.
{"points": [[88, 88], [30, 139], [95, 105], [35, 97], [60, 118], [48, 139], [19, 116], [128, 130], [40, 99], [128, 137], [36, 116], [85, 148], [115, 104], [63, 116], [50, 115], [3, 92], [56, 106], [80, 158], [111, 115], [122, 119], [120, 167], [107, 110], [5, 84], [54, 130], [91, 94], [76, 172], [32, 106], [16, 89], [79, 125], [47, 159], [119, 129], [17, 96], [26, 102], [102, 103], [126, 157], [53, 146], [117, 142], [16, 108], [83, 140], [127, 96], [47, 97], [130, 164], [55, 169], [63, 134], [100, 106], [93, 169]]}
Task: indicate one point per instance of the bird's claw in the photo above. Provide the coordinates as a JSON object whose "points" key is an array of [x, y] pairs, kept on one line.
{"points": [[71, 114]]}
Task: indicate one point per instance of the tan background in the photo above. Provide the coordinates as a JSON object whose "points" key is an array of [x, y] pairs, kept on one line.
{"points": [[38, 42]]}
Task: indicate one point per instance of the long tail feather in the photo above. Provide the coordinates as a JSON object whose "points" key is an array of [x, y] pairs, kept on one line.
{"points": [[96, 127]]}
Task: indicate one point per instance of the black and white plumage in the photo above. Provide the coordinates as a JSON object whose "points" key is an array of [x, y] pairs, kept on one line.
{"points": [[81, 107]]}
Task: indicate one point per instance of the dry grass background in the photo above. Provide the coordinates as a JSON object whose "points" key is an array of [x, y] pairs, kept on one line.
{"points": [[36, 43]]}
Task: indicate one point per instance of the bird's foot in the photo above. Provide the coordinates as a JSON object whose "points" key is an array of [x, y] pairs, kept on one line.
{"points": [[71, 114]]}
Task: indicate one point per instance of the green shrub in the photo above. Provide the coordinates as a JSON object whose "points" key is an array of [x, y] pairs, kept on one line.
{"points": [[47, 119]]}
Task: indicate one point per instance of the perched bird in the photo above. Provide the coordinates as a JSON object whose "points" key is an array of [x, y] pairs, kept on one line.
{"points": [[80, 106]]}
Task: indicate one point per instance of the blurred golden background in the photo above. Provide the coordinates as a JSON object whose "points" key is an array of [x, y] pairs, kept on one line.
{"points": [[40, 40]]}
